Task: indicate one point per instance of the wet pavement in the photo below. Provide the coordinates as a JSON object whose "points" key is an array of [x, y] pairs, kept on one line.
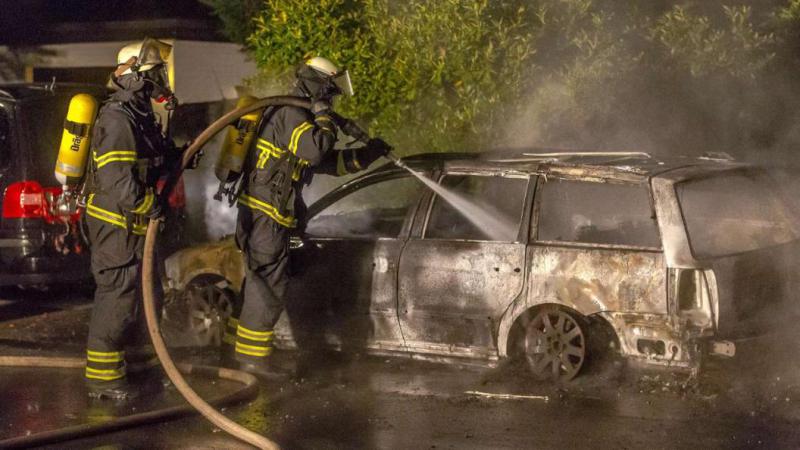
{"points": [[347, 401]]}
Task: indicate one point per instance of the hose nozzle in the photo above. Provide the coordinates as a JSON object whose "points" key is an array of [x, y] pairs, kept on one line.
{"points": [[396, 160]]}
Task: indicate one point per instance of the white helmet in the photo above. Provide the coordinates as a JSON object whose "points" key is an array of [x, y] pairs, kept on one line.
{"points": [[328, 69], [148, 54]]}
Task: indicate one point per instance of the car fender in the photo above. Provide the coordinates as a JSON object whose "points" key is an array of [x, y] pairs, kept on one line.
{"points": [[221, 258]]}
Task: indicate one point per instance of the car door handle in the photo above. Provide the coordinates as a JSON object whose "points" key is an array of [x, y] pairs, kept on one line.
{"points": [[296, 243]]}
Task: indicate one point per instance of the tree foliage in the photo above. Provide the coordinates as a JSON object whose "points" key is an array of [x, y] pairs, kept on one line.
{"points": [[693, 43], [470, 74], [441, 70]]}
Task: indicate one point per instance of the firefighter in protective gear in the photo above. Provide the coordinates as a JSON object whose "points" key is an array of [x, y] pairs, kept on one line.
{"points": [[129, 153], [292, 145]]}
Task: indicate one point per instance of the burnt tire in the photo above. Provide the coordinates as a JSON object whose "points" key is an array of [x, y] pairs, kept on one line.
{"points": [[552, 343], [197, 315]]}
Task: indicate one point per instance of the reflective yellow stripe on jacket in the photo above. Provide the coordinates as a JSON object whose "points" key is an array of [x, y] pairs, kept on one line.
{"points": [[112, 217], [266, 208], [147, 203], [114, 156], [296, 133], [268, 149]]}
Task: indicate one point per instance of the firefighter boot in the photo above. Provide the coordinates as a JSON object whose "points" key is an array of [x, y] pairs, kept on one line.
{"points": [[265, 369], [226, 357], [119, 390], [227, 351]]}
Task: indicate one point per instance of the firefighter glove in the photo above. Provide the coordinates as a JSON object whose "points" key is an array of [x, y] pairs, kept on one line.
{"points": [[375, 148]]}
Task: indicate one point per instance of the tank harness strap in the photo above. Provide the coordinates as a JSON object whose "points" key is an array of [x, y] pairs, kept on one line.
{"points": [[77, 129], [245, 126]]}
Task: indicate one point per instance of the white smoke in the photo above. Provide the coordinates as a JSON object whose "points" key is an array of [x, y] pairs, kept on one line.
{"points": [[220, 218], [209, 219]]}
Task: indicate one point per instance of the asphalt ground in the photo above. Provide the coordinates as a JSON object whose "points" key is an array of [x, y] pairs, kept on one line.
{"points": [[356, 401]]}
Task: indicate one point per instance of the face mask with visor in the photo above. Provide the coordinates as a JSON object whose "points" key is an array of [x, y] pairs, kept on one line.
{"points": [[342, 81], [152, 64]]}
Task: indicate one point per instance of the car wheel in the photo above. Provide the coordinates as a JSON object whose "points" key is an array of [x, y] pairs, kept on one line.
{"points": [[554, 344], [198, 314]]}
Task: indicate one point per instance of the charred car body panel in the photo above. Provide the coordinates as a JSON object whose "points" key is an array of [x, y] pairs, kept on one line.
{"points": [[599, 236]]}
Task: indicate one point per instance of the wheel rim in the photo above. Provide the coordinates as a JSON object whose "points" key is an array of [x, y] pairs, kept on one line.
{"points": [[209, 308], [555, 347]]}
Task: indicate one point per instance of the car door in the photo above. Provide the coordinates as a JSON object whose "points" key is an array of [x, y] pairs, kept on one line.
{"points": [[466, 264], [597, 249], [344, 283]]}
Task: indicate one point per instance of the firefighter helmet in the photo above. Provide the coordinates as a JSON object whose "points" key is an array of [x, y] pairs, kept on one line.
{"points": [[142, 56], [147, 62], [318, 77]]}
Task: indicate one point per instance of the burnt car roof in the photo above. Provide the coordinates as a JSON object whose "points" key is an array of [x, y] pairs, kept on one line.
{"points": [[23, 91], [634, 166]]}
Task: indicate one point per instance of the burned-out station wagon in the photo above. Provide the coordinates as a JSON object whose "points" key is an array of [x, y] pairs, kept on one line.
{"points": [[677, 259]]}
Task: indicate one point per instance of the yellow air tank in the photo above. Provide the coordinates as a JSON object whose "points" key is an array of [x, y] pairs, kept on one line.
{"points": [[74, 149], [237, 142]]}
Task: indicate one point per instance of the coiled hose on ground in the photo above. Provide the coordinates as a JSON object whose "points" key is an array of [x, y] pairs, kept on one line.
{"points": [[174, 372]]}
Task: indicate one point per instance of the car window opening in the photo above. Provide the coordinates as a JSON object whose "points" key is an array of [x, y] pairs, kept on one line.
{"points": [[377, 210], [733, 213], [477, 208], [597, 213]]}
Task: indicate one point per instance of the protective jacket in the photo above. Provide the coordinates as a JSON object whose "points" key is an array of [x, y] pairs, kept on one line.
{"points": [[127, 158], [292, 145]]}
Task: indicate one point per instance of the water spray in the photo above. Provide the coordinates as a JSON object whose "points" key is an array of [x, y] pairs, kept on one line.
{"points": [[488, 219]]}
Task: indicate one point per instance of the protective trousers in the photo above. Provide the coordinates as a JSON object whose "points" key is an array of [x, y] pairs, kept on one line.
{"points": [[117, 323], [265, 245], [115, 314]]}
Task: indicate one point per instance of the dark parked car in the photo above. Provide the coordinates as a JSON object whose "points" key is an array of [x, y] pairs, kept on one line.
{"points": [[37, 246], [671, 260]]}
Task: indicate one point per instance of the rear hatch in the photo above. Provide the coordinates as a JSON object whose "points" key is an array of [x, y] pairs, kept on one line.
{"points": [[743, 225]]}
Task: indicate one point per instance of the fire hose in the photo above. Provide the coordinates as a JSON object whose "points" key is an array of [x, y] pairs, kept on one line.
{"points": [[174, 371], [148, 282]]}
